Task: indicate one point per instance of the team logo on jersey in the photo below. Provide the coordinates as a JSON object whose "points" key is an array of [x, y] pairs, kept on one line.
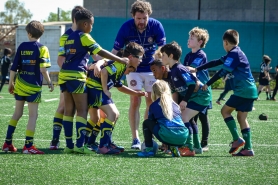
{"points": [[150, 40], [228, 61], [133, 83]]}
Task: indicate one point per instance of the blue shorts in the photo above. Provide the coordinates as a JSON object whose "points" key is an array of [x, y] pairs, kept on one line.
{"points": [[34, 98], [74, 86], [195, 106], [240, 104], [97, 98]]}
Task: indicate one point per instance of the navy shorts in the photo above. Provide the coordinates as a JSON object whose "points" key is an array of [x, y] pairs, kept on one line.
{"points": [[195, 106], [97, 98], [263, 82], [74, 86], [240, 104], [34, 98]]}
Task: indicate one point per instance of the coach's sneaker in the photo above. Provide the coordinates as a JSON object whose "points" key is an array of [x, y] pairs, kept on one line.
{"points": [[204, 145], [236, 145], [54, 144], [175, 151], [107, 150], [114, 146], [93, 147], [136, 144], [83, 150], [8, 148], [68, 150], [198, 150], [31, 150], [218, 102], [148, 152], [186, 152], [245, 152]]}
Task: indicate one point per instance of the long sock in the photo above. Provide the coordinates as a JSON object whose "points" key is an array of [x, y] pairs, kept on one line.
{"points": [[189, 141], [29, 138], [89, 128], [95, 132], [266, 94], [230, 122], [205, 126], [57, 125], [106, 129], [246, 134], [68, 129], [196, 139], [10, 131], [80, 131]]}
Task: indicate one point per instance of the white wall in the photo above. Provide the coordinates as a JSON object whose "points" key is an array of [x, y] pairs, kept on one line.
{"points": [[50, 38]]}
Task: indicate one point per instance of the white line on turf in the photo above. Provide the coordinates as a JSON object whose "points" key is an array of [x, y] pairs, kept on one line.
{"points": [[53, 99]]}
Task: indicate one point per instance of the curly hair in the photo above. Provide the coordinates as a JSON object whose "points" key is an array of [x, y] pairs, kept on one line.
{"points": [[35, 28], [83, 14], [200, 34], [74, 10], [142, 7]]}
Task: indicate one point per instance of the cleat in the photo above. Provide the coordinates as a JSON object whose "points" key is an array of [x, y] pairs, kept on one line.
{"points": [[245, 152], [273, 99], [54, 144], [223, 99], [267, 98], [218, 102], [31, 150], [107, 150], [83, 150], [136, 144], [114, 146], [205, 148], [198, 150], [68, 150], [93, 147], [8, 148], [175, 151], [186, 152], [147, 152], [236, 145]]}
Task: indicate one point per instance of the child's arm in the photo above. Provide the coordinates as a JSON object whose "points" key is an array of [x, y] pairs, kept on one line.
{"points": [[106, 54], [47, 78], [208, 65], [11, 82], [126, 90], [104, 78], [60, 60]]}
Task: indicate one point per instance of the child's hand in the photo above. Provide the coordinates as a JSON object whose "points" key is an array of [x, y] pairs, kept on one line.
{"points": [[183, 105], [51, 87], [205, 87], [97, 70], [11, 88], [125, 60], [141, 93], [108, 93]]}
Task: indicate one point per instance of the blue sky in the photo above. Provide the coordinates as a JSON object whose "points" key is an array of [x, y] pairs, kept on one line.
{"points": [[41, 8]]}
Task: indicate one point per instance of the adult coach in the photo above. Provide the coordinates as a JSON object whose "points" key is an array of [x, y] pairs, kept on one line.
{"points": [[149, 33]]}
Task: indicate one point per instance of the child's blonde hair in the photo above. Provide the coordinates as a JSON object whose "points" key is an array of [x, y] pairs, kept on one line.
{"points": [[161, 89], [201, 34]]}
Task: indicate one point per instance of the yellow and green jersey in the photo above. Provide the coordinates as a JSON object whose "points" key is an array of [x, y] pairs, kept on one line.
{"points": [[62, 41]]}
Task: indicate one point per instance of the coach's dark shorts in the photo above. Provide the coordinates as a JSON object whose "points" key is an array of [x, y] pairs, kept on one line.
{"points": [[97, 98], [263, 82], [240, 104], [74, 86], [34, 98]]}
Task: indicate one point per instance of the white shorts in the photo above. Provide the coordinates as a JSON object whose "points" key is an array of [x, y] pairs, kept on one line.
{"points": [[137, 81]]}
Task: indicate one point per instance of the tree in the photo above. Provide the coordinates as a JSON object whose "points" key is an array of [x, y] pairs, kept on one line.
{"points": [[15, 13], [64, 16]]}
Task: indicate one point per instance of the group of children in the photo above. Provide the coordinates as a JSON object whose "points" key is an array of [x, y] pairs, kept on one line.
{"points": [[177, 103]]}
